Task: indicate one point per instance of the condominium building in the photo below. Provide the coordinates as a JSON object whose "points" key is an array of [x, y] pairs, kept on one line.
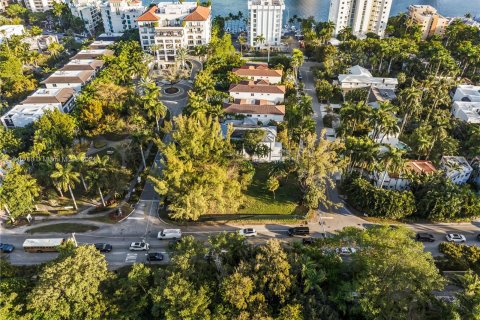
{"points": [[40, 5], [166, 27], [362, 16], [456, 168], [266, 17], [121, 15], [431, 22], [69, 79], [88, 11]]}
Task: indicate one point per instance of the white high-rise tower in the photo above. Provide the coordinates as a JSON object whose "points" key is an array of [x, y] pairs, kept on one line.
{"points": [[362, 16], [266, 18]]}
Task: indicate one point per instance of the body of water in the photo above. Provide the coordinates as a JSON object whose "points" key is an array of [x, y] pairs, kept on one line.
{"points": [[319, 8]]}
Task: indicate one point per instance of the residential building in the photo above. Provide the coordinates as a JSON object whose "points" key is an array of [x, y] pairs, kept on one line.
{"points": [[40, 5], [266, 19], [359, 77], [240, 127], [376, 96], [431, 22], [258, 90], [467, 93], [9, 30], [362, 16], [63, 96], [466, 111], [262, 111], [69, 79], [457, 169], [40, 43], [100, 44], [257, 72], [475, 177], [469, 21], [92, 54], [166, 27], [402, 181], [86, 64], [88, 11], [3, 5], [121, 15], [24, 114]]}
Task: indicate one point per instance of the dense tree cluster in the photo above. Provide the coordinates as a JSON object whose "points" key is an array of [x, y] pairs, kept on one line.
{"points": [[389, 277]]}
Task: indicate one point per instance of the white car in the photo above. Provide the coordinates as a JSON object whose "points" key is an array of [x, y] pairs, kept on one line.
{"points": [[346, 251], [169, 234], [248, 232], [139, 246], [456, 237]]}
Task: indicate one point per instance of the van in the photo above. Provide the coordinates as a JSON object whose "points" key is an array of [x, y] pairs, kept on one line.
{"points": [[169, 234], [298, 231]]}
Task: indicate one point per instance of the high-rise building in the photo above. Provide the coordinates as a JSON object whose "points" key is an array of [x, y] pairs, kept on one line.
{"points": [[362, 16], [121, 15], [266, 18], [40, 5], [431, 22], [88, 11], [166, 27]]}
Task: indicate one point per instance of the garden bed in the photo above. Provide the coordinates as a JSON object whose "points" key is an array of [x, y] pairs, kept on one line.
{"points": [[63, 228]]}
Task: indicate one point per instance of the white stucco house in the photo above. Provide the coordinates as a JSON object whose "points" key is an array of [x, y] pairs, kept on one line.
{"points": [[261, 110], [401, 181], [259, 71], [258, 90], [359, 77], [456, 168]]}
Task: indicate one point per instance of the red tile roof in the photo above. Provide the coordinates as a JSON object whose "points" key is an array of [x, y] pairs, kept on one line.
{"points": [[255, 108], [259, 71], [260, 86], [420, 166], [149, 15], [199, 14]]}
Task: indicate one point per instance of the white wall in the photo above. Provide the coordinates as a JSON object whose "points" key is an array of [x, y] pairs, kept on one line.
{"points": [[272, 97]]}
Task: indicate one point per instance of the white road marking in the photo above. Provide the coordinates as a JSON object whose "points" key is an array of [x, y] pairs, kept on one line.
{"points": [[131, 258], [135, 218]]}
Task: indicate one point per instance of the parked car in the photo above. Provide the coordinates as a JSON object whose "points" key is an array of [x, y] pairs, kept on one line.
{"points": [[299, 77], [173, 234], [248, 232], [139, 246], [456, 237], [298, 231], [155, 256], [6, 248], [346, 251], [103, 247], [425, 237], [478, 237], [308, 240]]}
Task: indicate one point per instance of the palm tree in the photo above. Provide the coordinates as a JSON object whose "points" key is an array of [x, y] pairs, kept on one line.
{"points": [[64, 178], [55, 49], [242, 41], [259, 39], [410, 104], [391, 161], [155, 48], [98, 174], [182, 54], [80, 163]]}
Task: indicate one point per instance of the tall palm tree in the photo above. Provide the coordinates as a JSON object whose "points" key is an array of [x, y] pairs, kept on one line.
{"points": [[260, 39], [182, 54], [64, 178], [391, 161], [410, 103], [80, 164], [151, 103], [242, 41], [155, 48]]}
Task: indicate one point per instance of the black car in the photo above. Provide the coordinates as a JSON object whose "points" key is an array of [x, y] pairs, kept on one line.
{"points": [[103, 247], [155, 256], [6, 248], [298, 231], [425, 237], [478, 237]]}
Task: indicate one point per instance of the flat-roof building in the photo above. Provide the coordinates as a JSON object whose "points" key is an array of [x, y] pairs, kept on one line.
{"points": [[69, 79]]}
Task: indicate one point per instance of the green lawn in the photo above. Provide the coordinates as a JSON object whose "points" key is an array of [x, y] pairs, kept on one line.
{"points": [[260, 201], [63, 228]]}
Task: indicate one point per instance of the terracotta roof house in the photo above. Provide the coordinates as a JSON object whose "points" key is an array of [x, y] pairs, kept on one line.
{"points": [[199, 14], [262, 110], [259, 72], [401, 181], [258, 90]]}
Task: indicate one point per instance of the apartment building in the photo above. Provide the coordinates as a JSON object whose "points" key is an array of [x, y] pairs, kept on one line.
{"points": [[257, 72], [466, 111], [402, 181], [92, 54], [457, 169], [9, 30], [260, 110], [87, 64], [166, 27], [359, 77], [362, 16], [266, 17], [258, 90], [88, 11], [121, 15], [427, 17], [467, 93], [40, 5], [69, 79]]}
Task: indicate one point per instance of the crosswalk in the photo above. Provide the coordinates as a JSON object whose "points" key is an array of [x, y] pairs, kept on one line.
{"points": [[131, 258]]}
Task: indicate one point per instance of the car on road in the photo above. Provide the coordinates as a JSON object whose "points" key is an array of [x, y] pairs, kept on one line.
{"points": [[247, 232], [155, 256], [299, 77], [345, 251], [456, 237], [6, 248], [103, 247], [173, 234], [478, 237], [425, 237], [139, 246], [299, 231]]}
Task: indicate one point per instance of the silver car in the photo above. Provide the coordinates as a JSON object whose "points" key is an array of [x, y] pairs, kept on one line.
{"points": [[456, 237], [139, 246]]}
